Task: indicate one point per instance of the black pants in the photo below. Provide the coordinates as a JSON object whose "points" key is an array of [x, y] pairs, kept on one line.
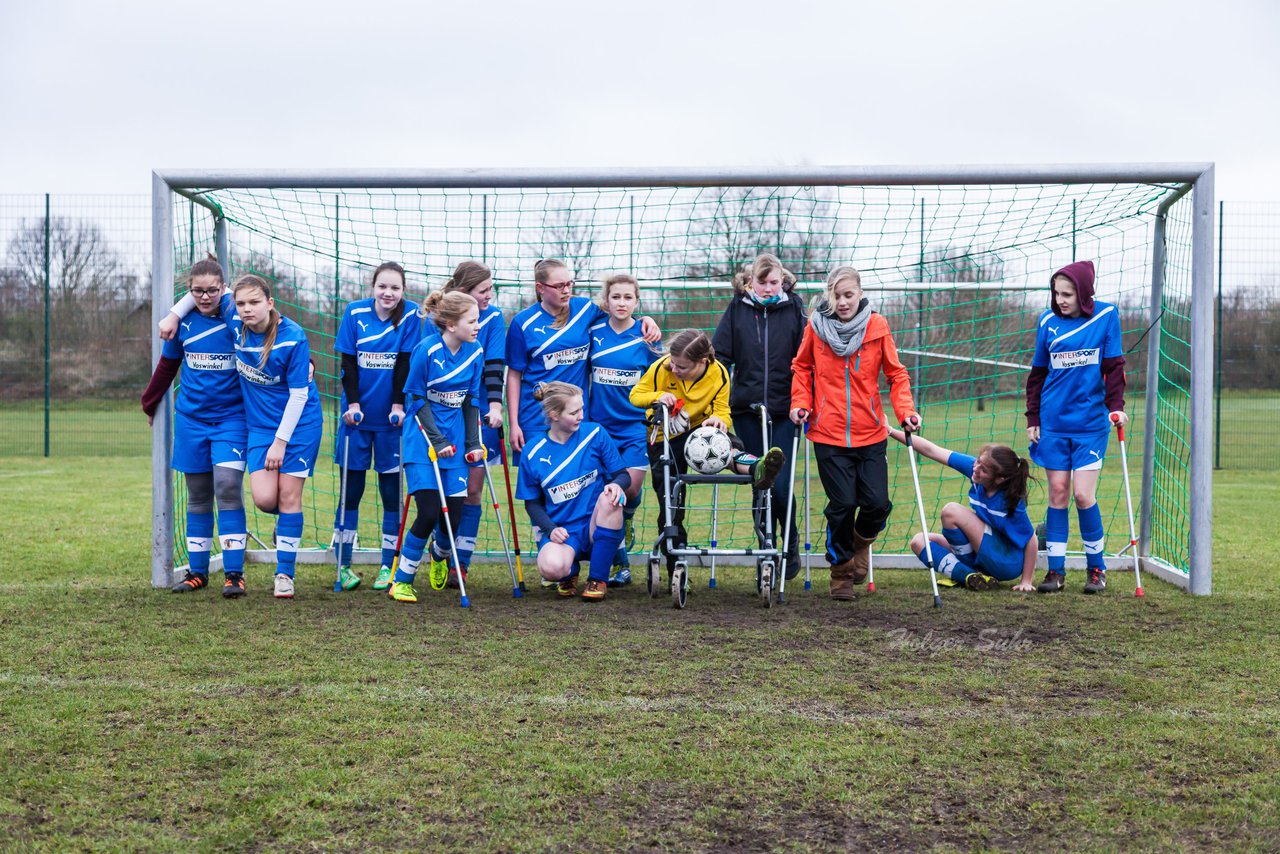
{"points": [[857, 482], [747, 425]]}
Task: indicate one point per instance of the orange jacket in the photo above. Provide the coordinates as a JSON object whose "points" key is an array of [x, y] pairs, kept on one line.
{"points": [[843, 394]]}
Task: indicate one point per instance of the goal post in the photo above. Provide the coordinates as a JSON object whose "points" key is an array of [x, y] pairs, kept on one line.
{"points": [[956, 257]]}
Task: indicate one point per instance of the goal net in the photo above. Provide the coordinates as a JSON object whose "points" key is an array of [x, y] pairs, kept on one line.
{"points": [[960, 270]]}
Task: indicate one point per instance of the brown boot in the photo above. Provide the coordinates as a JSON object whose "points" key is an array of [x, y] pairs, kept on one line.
{"points": [[842, 581], [861, 562]]}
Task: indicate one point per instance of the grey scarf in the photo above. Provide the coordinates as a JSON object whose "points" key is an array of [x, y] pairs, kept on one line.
{"points": [[842, 336]]}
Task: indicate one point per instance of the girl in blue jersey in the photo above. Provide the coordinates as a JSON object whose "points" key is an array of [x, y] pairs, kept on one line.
{"points": [[282, 407], [992, 539], [374, 341], [572, 483], [549, 342], [1076, 386], [441, 394], [474, 278], [209, 430], [619, 357]]}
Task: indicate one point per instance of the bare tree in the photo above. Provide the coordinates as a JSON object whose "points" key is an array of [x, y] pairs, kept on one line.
{"points": [[83, 266]]}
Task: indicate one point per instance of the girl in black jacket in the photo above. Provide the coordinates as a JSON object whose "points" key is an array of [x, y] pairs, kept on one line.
{"points": [[756, 339]]}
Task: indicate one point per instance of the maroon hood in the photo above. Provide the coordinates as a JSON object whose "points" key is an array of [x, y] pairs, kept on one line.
{"points": [[1081, 273]]}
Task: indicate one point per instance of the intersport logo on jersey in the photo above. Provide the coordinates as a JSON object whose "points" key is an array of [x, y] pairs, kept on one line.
{"points": [[613, 376], [210, 361], [1074, 358], [376, 361], [451, 399], [255, 375], [564, 357], [572, 489]]}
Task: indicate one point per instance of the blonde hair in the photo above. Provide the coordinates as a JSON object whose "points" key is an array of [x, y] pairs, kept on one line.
{"points": [[840, 274], [554, 397], [447, 307], [607, 286], [763, 265], [244, 283], [468, 276], [541, 273]]}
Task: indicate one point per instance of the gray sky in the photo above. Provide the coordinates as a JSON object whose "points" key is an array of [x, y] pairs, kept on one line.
{"points": [[95, 95]]}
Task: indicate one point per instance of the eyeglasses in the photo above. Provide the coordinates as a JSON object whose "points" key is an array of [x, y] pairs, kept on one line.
{"points": [[205, 293], [562, 287]]}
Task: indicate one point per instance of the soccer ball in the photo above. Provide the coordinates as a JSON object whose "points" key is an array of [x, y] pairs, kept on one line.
{"points": [[708, 450]]}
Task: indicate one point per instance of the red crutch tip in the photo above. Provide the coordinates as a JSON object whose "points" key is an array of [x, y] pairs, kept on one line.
{"points": [[871, 587], [1138, 593]]}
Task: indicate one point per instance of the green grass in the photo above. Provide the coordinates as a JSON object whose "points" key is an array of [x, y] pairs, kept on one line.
{"points": [[131, 718]]}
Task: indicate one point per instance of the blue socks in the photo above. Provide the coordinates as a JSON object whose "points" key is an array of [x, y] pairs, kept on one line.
{"points": [[288, 535], [1094, 537], [944, 562], [344, 539], [199, 540], [603, 547], [468, 528], [410, 557], [961, 546], [234, 539], [1055, 535]]}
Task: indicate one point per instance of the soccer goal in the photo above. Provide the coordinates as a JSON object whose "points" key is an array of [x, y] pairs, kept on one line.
{"points": [[958, 260]]}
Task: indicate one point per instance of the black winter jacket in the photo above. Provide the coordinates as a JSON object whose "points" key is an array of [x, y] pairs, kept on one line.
{"points": [[757, 343]]}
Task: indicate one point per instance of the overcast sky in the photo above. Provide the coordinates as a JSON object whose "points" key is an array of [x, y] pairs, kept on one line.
{"points": [[95, 95]]}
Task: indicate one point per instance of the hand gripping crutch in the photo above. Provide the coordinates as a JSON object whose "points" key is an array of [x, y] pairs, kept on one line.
{"points": [[924, 526], [511, 509], [1128, 499], [341, 532], [516, 592], [786, 527], [808, 546], [444, 509]]}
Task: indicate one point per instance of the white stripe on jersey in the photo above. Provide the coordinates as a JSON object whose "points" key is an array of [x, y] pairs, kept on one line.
{"points": [[487, 319], [575, 453], [633, 342], [976, 503], [585, 308], [365, 310], [360, 341], [194, 338], [279, 345], [456, 370], [1082, 327]]}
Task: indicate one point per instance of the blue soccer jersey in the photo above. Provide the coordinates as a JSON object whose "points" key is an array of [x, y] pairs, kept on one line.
{"points": [[1015, 527], [375, 343], [1073, 400], [444, 381], [618, 361], [569, 477], [543, 353], [266, 386], [210, 387]]}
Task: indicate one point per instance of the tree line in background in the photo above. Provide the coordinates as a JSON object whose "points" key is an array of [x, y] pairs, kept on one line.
{"points": [[101, 331]]}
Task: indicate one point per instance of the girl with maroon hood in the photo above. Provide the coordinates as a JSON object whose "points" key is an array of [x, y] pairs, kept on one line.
{"points": [[1076, 386]]}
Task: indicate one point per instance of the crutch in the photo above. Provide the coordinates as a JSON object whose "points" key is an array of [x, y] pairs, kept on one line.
{"points": [[808, 546], [342, 509], [786, 527], [516, 591], [715, 509], [444, 508], [924, 525], [404, 510], [1128, 500], [511, 508]]}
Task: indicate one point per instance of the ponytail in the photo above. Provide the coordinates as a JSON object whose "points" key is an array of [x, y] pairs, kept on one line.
{"points": [[207, 266], [554, 397], [1012, 474]]}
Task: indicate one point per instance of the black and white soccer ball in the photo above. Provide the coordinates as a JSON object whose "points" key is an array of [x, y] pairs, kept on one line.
{"points": [[708, 450]]}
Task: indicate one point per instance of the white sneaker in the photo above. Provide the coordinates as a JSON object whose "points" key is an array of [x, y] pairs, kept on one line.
{"points": [[284, 586]]}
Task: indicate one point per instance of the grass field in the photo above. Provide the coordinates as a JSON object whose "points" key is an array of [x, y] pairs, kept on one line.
{"points": [[134, 719]]}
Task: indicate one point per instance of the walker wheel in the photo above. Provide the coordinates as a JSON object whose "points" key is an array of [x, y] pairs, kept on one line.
{"points": [[654, 577], [679, 584], [766, 583]]}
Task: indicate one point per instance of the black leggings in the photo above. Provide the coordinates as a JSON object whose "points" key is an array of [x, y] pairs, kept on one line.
{"points": [[856, 481], [428, 501]]}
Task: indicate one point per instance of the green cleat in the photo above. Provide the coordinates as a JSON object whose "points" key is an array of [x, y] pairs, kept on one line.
{"points": [[402, 591], [348, 579], [439, 573], [384, 579]]}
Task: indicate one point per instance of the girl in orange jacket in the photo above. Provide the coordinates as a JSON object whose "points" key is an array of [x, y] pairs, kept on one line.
{"points": [[835, 388]]}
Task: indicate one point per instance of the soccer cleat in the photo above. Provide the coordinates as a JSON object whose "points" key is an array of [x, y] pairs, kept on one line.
{"points": [[284, 586], [402, 591], [439, 573], [979, 581], [621, 577], [595, 590], [190, 581], [233, 585], [452, 581], [1053, 582], [629, 532], [384, 579], [1097, 581], [568, 587], [765, 470], [547, 584], [348, 579]]}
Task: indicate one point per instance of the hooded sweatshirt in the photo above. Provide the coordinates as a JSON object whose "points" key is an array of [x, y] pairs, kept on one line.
{"points": [[1077, 373]]}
